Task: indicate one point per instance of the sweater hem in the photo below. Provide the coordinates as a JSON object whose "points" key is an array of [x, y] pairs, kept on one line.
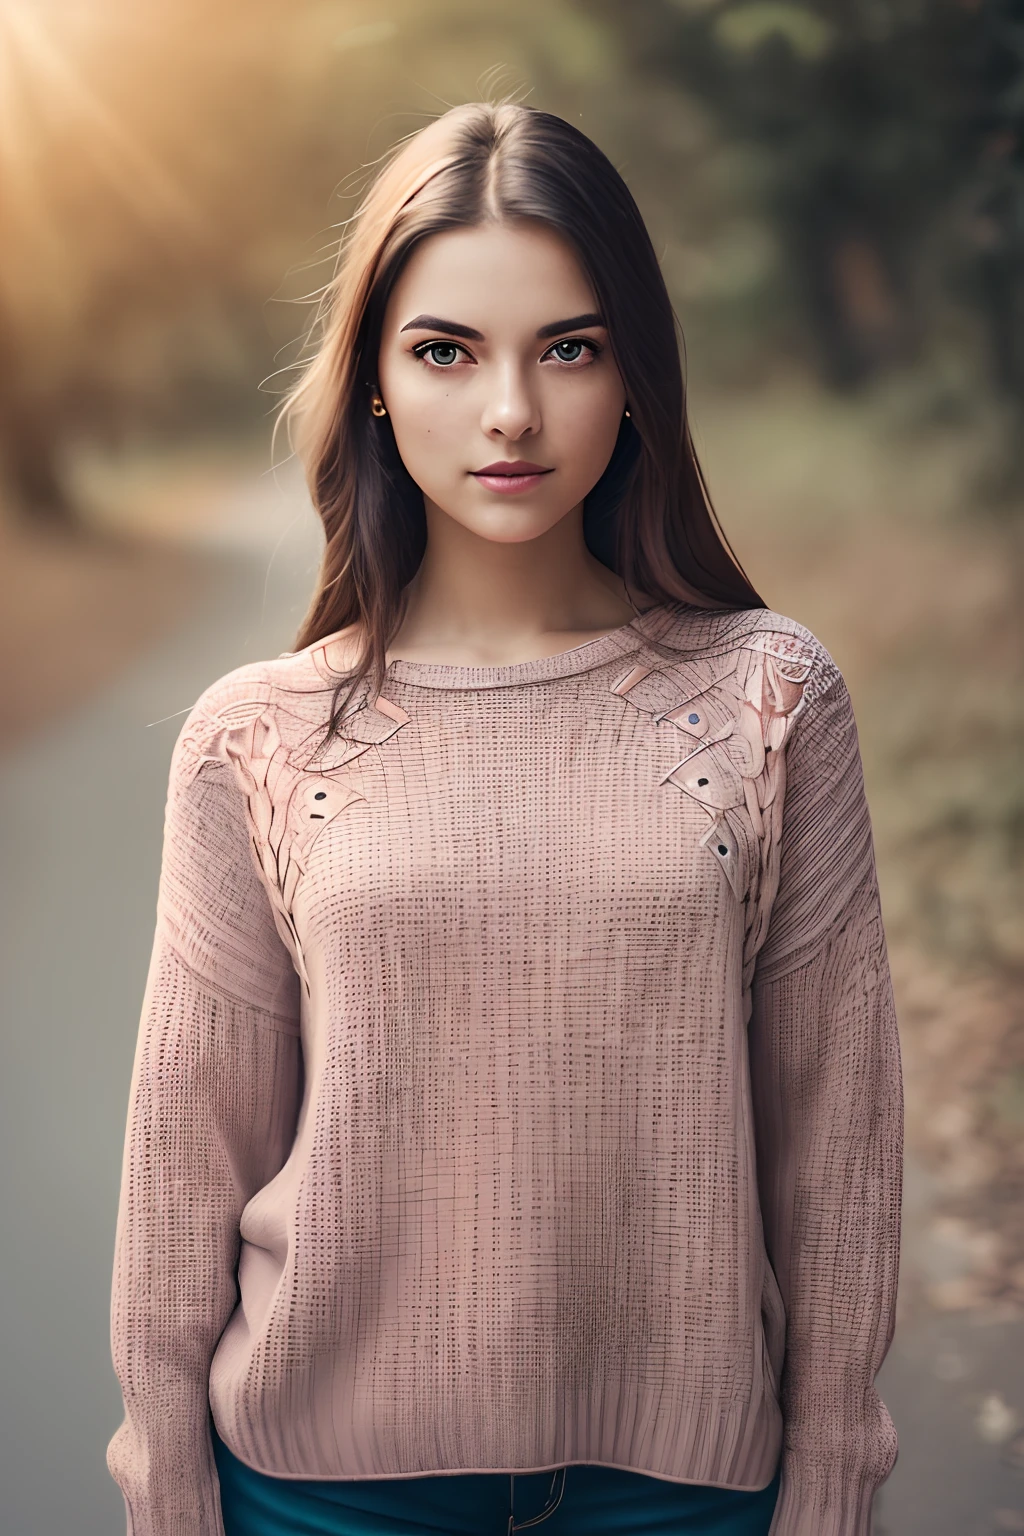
{"points": [[550, 1466], [754, 1465]]}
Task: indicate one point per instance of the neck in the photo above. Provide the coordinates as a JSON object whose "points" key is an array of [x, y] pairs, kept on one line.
{"points": [[479, 600]]}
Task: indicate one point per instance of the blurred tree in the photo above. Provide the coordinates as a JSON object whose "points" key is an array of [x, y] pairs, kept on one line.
{"points": [[160, 171], [994, 194], [97, 230], [169, 178], [868, 124], [166, 174]]}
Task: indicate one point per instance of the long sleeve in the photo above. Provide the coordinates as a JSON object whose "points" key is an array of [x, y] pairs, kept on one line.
{"points": [[214, 1098], [828, 1102]]}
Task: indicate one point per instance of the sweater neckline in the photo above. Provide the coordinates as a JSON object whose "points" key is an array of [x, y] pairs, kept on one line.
{"points": [[579, 658]]}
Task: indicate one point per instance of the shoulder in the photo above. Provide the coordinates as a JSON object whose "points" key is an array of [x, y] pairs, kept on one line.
{"points": [[229, 705], [795, 650], [231, 697], [253, 682]]}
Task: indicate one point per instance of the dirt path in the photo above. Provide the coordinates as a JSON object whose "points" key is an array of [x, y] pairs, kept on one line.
{"points": [[73, 614]]}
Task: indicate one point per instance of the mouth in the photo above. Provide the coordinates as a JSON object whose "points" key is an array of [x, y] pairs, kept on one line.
{"points": [[510, 478]]}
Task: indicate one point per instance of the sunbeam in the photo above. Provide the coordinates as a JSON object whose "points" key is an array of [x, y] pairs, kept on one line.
{"points": [[45, 96]]}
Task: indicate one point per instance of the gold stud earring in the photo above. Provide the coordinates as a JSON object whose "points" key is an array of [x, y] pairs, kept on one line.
{"points": [[377, 406]]}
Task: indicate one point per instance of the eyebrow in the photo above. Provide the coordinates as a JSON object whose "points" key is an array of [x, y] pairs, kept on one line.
{"points": [[576, 323], [453, 328]]}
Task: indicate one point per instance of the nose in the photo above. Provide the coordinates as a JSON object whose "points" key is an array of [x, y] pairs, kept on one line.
{"points": [[512, 409]]}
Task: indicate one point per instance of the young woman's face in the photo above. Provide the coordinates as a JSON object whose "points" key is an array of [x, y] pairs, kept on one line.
{"points": [[496, 372]]}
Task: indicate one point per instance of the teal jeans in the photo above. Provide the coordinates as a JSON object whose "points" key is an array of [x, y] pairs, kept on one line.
{"points": [[580, 1500]]}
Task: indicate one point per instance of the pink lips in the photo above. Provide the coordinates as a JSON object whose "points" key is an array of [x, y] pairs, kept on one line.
{"points": [[510, 478]]}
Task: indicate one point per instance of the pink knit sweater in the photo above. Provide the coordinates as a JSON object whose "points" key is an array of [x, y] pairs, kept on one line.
{"points": [[531, 1059]]}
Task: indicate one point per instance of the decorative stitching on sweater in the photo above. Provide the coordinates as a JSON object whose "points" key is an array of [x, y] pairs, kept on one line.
{"points": [[288, 803], [739, 722]]}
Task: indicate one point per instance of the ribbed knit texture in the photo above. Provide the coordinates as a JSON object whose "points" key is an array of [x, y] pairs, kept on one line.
{"points": [[531, 1057]]}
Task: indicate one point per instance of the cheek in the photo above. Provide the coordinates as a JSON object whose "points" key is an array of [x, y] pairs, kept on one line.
{"points": [[584, 423], [427, 423]]}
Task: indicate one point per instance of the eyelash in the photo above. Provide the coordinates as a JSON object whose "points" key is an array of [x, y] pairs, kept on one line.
{"points": [[423, 347]]}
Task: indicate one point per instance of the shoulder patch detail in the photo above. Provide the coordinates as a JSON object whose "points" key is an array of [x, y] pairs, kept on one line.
{"points": [[736, 713], [288, 801]]}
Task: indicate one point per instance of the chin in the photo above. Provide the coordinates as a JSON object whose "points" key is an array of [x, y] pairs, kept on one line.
{"points": [[510, 528], [509, 520]]}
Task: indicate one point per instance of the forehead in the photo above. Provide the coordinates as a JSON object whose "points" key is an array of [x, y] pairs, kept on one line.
{"points": [[492, 277]]}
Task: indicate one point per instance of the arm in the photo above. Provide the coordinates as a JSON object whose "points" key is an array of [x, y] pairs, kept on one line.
{"points": [[213, 1105], [828, 1105]]}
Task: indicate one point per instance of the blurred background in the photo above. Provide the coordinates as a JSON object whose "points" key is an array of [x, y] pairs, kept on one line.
{"points": [[836, 191]]}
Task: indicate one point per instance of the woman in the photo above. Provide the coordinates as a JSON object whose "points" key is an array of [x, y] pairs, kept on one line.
{"points": [[519, 1027]]}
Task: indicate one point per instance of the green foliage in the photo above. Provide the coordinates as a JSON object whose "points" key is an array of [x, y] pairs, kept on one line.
{"points": [[169, 192], [745, 27], [888, 139]]}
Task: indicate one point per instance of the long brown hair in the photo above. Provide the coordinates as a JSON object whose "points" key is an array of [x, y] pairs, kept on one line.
{"points": [[649, 518]]}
